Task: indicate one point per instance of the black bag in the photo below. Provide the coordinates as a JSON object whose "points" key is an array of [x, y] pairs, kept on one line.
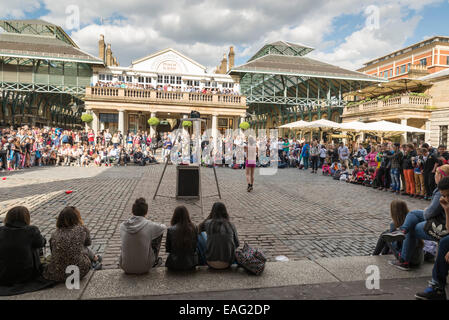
{"points": [[436, 227]]}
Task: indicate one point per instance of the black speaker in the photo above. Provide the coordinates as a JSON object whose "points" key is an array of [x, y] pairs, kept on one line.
{"points": [[187, 182]]}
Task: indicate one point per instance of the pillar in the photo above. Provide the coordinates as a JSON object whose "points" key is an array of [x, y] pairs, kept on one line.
{"points": [[152, 128], [404, 135], [183, 129], [214, 127], [95, 122], [427, 134], [121, 121]]}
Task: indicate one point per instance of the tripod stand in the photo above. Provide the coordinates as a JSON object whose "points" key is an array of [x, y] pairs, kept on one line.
{"points": [[196, 122]]}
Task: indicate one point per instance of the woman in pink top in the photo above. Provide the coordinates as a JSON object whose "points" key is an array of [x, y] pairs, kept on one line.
{"points": [[371, 158]]}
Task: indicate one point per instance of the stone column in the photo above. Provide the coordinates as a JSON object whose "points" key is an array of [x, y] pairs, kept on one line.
{"points": [[95, 122], [152, 128], [121, 121], [404, 135], [214, 127], [427, 134]]}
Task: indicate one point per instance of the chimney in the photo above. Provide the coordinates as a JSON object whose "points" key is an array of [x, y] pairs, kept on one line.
{"points": [[224, 64], [109, 55], [231, 57], [101, 48]]}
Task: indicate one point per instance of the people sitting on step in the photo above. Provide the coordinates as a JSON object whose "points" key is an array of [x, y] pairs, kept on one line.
{"points": [[181, 242], [141, 241], [220, 238], [69, 247], [20, 243]]}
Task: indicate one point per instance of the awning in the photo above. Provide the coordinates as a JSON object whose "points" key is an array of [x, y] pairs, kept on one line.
{"points": [[294, 125], [390, 87]]}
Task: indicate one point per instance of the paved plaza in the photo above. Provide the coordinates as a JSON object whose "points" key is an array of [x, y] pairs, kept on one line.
{"points": [[293, 213]]}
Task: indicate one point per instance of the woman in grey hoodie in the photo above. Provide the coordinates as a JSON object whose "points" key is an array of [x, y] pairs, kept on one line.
{"points": [[141, 241]]}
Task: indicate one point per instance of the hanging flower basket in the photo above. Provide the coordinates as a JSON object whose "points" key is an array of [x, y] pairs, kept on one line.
{"points": [[153, 121], [244, 125], [87, 118], [187, 124]]}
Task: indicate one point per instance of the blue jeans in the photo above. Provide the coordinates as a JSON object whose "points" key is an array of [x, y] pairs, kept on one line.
{"points": [[441, 267], [395, 179], [201, 247], [414, 227], [306, 162], [355, 162]]}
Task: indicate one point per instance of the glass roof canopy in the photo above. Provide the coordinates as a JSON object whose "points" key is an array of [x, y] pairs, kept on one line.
{"points": [[280, 74]]}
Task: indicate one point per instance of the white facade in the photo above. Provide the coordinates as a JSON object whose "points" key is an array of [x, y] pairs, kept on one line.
{"points": [[165, 68]]}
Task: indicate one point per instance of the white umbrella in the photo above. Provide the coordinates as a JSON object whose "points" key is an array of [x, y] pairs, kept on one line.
{"points": [[354, 126], [322, 124], [387, 126], [294, 125]]}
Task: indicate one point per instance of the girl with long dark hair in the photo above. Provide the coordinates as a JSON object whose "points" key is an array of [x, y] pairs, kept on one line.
{"points": [[221, 238], [181, 241]]}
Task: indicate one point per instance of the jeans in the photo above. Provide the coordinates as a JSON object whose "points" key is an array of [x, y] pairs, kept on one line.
{"points": [[355, 162], [306, 162], [414, 226], [441, 267], [315, 163], [395, 179], [201, 247]]}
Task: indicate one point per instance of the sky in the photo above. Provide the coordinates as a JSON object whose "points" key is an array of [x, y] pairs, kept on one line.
{"points": [[346, 33]]}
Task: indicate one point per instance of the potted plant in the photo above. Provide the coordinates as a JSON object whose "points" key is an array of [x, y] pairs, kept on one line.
{"points": [[87, 118], [187, 124], [244, 125], [153, 121]]}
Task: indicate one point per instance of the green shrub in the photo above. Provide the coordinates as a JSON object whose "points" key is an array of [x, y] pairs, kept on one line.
{"points": [[86, 117], [153, 121], [187, 124], [244, 125]]}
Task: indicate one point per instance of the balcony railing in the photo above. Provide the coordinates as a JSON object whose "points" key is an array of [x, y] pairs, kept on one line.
{"points": [[154, 96], [404, 101]]}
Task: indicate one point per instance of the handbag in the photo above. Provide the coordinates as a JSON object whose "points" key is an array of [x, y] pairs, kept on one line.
{"points": [[251, 259], [436, 227]]}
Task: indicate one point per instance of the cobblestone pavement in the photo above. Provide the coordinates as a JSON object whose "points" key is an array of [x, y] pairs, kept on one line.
{"points": [[293, 213]]}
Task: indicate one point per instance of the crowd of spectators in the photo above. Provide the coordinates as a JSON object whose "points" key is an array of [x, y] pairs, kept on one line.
{"points": [[26, 147], [166, 88]]}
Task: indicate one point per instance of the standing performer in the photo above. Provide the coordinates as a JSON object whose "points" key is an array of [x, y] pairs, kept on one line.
{"points": [[250, 164]]}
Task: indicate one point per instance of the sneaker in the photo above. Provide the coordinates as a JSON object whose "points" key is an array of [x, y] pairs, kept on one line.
{"points": [[158, 262], [396, 235], [432, 292], [404, 266]]}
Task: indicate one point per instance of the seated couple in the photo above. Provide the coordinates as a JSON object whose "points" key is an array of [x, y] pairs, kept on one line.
{"points": [[428, 225], [213, 243], [23, 266]]}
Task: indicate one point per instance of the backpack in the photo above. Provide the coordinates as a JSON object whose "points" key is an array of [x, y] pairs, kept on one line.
{"points": [[251, 259]]}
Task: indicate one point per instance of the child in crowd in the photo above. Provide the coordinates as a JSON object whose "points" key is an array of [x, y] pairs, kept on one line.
{"points": [[344, 173], [326, 169], [370, 175], [335, 167]]}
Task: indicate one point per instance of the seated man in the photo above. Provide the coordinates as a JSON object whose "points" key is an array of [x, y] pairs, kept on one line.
{"points": [[436, 289], [122, 157], [138, 157], [413, 228], [141, 241], [148, 156]]}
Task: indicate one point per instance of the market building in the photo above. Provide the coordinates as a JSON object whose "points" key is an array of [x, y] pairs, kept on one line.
{"points": [[430, 55], [166, 85], [419, 97], [43, 75], [282, 85]]}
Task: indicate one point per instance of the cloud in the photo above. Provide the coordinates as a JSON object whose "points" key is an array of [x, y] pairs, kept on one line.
{"points": [[204, 30]]}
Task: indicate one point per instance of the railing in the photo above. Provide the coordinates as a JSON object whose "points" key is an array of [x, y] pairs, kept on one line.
{"points": [[155, 96], [395, 102]]}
